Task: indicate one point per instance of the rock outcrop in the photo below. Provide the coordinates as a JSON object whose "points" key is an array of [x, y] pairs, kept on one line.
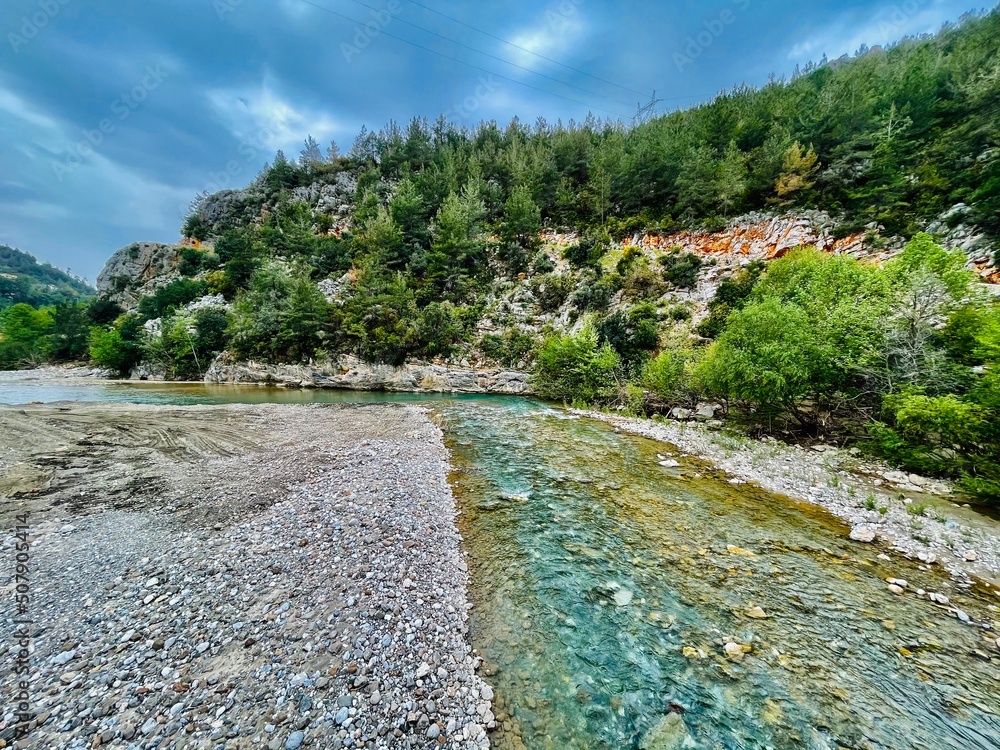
{"points": [[766, 237], [351, 373], [136, 271], [761, 237]]}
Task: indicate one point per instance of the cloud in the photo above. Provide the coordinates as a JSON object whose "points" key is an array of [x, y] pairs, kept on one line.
{"points": [[258, 113], [554, 32], [888, 24], [31, 209], [295, 9], [15, 106]]}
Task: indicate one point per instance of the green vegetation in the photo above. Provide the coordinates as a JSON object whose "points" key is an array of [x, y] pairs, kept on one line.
{"points": [[576, 367], [24, 280], [429, 235]]}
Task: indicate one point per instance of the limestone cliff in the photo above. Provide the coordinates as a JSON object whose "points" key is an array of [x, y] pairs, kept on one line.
{"points": [[138, 270]]}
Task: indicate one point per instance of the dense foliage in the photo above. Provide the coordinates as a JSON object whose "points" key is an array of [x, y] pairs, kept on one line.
{"points": [[903, 356], [24, 280]]}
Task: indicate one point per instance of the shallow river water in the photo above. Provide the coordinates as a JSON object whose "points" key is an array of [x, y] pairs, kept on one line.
{"points": [[607, 588]]}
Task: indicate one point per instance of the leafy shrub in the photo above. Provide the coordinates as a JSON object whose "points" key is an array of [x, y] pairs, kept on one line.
{"points": [[103, 311], [193, 261], [542, 264], [575, 368], [679, 313], [188, 343], [681, 269], [668, 376], [440, 329], [120, 348], [933, 435], [589, 250], [597, 293], [551, 290], [732, 294], [766, 357], [510, 349], [629, 258], [631, 333], [24, 336], [168, 298], [642, 283]]}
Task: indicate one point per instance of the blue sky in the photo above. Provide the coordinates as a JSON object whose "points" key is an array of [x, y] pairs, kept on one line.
{"points": [[114, 114]]}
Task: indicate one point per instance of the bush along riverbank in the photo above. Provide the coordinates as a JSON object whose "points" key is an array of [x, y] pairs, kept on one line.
{"points": [[899, 359]]}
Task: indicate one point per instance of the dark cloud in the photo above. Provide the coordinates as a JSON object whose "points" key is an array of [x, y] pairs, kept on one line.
{"points": [[115, 113]]}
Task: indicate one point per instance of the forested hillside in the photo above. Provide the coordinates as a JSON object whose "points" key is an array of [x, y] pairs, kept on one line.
{"points": [[24, 279], [555, 248]]}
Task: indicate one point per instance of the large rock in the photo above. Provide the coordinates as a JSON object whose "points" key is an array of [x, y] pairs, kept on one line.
{"points": [[352, 373], [136, 271]]}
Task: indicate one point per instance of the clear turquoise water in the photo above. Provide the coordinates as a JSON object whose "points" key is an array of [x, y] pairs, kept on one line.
{"points": [[606, 587], [562, 515]]}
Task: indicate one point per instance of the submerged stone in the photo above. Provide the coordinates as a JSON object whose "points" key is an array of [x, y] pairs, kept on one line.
{"points": [[669, 734], [623, 597]]}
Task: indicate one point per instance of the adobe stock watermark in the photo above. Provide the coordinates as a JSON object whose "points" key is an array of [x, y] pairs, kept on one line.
{"points": [[558, 17], [224, 7], [898, 15], [464, 109], [365, 34], [32, 25], [122, 108], [714, 28], [249, 148]]}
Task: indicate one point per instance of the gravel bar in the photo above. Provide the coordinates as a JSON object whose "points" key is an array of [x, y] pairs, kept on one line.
{"points": [[292, 577]]}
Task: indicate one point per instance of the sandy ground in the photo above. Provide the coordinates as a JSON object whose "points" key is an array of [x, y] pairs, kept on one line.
{"points": [[236, 576]]}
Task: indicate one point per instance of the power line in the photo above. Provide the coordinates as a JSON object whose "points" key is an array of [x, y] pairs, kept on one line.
{"points": [[494, 57], [525, 49], [383, 32]]}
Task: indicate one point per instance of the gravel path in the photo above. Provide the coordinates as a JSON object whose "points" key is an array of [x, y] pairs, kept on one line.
{"points": [[877, 502], [293, 579]]}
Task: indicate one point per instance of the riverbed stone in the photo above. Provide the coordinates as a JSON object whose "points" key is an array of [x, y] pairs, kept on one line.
{"points": [[863, 534], [670, 733]]}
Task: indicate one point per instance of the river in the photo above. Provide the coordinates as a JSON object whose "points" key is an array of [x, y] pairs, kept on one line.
{"points": [[621, 603]]}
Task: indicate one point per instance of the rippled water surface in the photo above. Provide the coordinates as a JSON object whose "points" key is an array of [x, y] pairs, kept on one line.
{"points": [[607, 587]]}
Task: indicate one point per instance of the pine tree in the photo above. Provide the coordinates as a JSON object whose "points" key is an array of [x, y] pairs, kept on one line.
{"points": [[311, 157]]}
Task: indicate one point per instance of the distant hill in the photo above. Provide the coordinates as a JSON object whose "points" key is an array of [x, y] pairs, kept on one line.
{"points": [[24, 279]]}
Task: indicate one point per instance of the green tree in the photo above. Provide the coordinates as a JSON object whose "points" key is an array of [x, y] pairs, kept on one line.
{"points": [[458, 246], [575, 368], [70, 332], [522, 219], [798, 170], [766, 358], [119, 348], [24, 336]]}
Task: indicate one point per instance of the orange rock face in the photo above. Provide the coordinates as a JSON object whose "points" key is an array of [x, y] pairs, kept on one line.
{"points": [[763, 240]]}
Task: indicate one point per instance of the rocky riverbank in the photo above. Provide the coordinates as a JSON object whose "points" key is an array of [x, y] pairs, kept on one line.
{"points": [[352, 373], [239, 576], [915, 515]]}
